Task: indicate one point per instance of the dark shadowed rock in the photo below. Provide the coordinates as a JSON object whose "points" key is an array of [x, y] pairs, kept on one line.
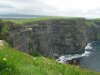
{"points": [[53, 37]]}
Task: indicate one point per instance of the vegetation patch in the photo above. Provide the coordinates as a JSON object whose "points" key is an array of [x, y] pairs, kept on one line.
{"points": [[13, 62]]}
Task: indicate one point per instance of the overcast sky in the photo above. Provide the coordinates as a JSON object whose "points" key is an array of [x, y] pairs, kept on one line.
{"points": [[81, 8]]}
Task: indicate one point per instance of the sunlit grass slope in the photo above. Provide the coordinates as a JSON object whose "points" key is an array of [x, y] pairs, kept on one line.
{"points": [[13, 62]]}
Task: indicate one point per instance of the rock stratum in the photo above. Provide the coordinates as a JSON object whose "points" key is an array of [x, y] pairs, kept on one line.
{"points": [[52, 37]]}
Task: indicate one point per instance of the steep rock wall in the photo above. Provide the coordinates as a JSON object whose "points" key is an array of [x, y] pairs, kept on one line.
{"points": [[52, 37]]}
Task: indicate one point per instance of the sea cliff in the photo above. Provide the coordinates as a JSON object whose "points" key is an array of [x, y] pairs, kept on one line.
{"points": [[52, 37]]}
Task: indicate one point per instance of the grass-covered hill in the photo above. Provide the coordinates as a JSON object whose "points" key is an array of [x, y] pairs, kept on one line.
{"points": [[13, 62]]}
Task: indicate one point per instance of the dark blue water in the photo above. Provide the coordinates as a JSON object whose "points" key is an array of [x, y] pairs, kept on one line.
{"points": [[92, 62]]}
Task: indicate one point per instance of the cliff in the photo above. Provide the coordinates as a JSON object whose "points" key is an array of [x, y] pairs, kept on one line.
{"points": [[53, 37]]}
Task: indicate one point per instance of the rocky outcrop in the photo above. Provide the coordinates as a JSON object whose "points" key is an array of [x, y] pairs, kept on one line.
{"points": [[53, 37], [1, 44]]}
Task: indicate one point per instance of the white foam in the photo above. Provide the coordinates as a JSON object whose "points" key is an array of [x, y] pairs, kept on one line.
{"points": [[62, 59], [65, 58], [88, 46]]}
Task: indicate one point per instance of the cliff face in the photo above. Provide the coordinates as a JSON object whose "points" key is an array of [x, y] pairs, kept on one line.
{"points": [[53, 37]]}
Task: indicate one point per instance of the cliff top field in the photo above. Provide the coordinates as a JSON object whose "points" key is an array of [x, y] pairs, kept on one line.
{"points": [[13, 62], [24, 20]]}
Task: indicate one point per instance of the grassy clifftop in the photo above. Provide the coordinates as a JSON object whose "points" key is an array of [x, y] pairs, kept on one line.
{"points": [[24, 20], [13, 62]]}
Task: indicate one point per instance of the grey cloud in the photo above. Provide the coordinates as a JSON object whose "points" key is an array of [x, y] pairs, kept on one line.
{"points": [[39, 7], [26, 1], [5, 6], [95, 11]]}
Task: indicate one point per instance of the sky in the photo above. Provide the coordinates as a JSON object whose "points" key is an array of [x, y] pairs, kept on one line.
{"points": [[68, 8]]}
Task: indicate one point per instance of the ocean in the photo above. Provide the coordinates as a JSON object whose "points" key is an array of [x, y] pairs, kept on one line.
{"points": [[90, 59]]}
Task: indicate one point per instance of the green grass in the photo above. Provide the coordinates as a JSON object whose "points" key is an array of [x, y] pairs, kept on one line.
{"points": [[24, 20], [95, 19], [18, 63], [20, 21]]}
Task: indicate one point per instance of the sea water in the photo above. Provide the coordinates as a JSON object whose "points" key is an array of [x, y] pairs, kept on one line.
{"points": [[90, 59]]}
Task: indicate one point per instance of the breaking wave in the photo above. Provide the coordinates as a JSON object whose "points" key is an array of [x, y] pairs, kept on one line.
{"points": [[88, 46], [65, 58]]}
